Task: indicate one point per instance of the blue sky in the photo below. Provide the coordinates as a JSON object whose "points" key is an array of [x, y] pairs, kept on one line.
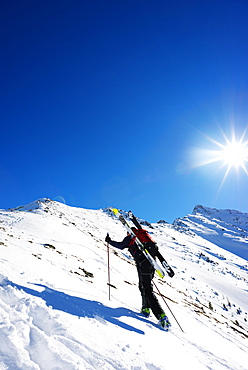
{"points": [[104, 103]]}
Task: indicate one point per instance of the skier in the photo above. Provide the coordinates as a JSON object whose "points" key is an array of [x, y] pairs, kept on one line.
{"points": [[145, 274]]}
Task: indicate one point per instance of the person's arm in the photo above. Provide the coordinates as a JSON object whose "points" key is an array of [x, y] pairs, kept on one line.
{"points": [[121, 245]]}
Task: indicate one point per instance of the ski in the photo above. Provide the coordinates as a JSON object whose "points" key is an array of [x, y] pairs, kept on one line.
{"points": [[163, 262], [152, 261]]}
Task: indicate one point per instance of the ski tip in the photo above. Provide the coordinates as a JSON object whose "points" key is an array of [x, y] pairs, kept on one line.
{"points": [[160, 274], [171, 274], [114, 210]]}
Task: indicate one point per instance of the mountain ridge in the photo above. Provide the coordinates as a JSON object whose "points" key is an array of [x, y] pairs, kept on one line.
{"points": [[226, 228]]}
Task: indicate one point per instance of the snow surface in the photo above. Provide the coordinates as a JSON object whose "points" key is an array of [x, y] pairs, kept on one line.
{"points": [[55, 311], [222, 227]]}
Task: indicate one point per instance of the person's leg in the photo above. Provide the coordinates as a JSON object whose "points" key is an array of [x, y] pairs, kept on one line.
{"points": [[146, 273], [145, 303]]}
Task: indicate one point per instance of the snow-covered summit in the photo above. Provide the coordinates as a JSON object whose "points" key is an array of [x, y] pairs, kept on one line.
{"points": [[37, 204], [55, 311], [229, 216], [224, 227]]}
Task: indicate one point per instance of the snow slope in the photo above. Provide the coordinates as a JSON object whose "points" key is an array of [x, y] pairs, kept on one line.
{"points": [[55, 311], [226, 228]]}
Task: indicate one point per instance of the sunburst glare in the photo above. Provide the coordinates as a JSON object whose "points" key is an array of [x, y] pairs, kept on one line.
{"points": [[232, 153]]}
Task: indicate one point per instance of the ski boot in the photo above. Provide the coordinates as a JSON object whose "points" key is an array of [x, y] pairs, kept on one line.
{"points": [[164, 321], [145, 312]]}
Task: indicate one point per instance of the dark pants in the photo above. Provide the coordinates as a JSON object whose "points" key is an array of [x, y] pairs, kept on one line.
{"points": [[149, 300]]}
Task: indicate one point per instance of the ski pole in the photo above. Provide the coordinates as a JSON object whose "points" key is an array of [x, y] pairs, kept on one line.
{"points": [[167, 306], [108, 269]]}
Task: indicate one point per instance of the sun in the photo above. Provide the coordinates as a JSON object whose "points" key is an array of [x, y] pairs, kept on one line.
{"points": [[232, 153]]}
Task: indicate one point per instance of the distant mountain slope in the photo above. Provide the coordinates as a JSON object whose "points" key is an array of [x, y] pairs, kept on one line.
{"points": [[226, 228]]}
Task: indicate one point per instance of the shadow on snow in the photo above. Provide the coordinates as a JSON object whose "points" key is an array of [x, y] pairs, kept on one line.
{"points": [[83, 307]]}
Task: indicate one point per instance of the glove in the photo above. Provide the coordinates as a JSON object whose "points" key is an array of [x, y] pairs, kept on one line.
{"points": [[107, 239]]}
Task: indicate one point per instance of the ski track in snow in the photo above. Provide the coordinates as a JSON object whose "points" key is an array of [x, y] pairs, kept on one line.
{"points": [[54, 307]]}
